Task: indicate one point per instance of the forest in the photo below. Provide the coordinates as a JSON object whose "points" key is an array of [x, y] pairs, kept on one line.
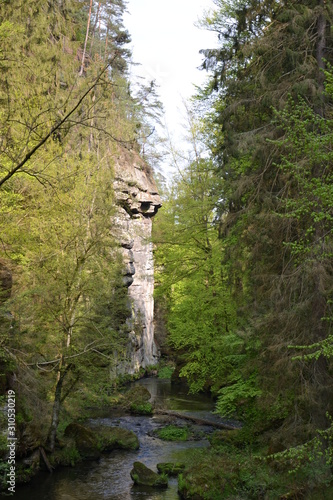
{"points": [[243, 245]]}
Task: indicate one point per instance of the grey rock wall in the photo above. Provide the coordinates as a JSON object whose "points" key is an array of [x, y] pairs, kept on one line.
{"points": [[138, 201]]}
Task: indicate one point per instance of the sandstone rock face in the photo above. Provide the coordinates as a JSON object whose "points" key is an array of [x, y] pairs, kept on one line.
{"points": [[138, 201]]}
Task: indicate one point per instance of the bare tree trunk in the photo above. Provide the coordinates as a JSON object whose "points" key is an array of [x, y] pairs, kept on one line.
{"points": [[320, 55], [97, 20], [86, 40], [106, 44]]}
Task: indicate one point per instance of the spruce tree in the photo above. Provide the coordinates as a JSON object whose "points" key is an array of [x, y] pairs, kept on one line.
{"points": [[270, 50]]}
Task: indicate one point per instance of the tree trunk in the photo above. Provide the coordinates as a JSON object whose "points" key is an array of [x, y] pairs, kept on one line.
{"points": [[320, 54], [57, 405], [55, 413], [86, 40], [97, 20]]}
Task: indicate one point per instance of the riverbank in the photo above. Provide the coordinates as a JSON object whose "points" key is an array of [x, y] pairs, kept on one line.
{"points": [[109, 476], [216, 464]]}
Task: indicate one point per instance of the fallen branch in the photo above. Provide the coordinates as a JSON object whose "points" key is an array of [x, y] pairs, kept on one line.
{"points": [[196, 420]]}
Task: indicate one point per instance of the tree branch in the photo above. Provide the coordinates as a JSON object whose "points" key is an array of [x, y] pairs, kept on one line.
{"points": [[53, 129]]}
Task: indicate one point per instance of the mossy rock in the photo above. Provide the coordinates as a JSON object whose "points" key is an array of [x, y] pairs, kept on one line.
{"points": [[137, 395], [143, 476], [117, 438], [86, 442], [207, 481], [173, 433], [141, 409], [170, 469]]}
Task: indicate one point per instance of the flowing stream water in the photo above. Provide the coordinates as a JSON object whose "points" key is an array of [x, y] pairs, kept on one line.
{"points": [[109, 478]]}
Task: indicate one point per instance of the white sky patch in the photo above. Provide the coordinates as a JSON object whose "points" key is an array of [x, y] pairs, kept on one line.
{"points": [[166, 44]]}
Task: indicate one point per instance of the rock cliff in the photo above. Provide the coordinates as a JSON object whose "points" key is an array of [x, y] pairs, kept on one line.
{"points": [[137, 201]]}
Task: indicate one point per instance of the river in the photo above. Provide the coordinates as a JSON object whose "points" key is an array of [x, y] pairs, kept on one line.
{"points": [[109, 478]]}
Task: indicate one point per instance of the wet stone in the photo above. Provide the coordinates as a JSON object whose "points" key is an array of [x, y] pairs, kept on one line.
{"points": [[143, 476]]}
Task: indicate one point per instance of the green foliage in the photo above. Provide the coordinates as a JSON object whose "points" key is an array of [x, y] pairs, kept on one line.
{"points": [[68, 456], [3, 444], [307, 160], [62, 132], [173, 433], [197, 289], [4, 470], [225, 473], [165, 372], [311, 460], [273, 169], [141, 409], [248, 295], [241, 390]]}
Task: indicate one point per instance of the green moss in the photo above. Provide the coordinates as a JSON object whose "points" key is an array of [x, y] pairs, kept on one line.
{"points": [[227, 437], [144, 476], [142, 409], [173, 433], [170, 469], [112, 438], [138, 394], [85, 440]]}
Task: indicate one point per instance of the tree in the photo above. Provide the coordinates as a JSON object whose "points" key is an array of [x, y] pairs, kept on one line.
{"points": [[269, 50], [197, 289], [60, 136]]}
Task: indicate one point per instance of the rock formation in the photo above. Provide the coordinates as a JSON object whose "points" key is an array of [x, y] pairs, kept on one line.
{"points": [[138, 201]]}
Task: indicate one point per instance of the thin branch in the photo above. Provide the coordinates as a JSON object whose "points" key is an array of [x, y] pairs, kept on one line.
{"points": [[54, 129], [88, 348]]}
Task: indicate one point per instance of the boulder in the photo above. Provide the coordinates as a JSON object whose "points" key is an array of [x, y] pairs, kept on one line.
{"points": [[138, 395], [144, 476], [117, 438], [85, 441]]}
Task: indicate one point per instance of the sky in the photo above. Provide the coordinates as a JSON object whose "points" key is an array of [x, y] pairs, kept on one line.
{"points": [[166, 44]]}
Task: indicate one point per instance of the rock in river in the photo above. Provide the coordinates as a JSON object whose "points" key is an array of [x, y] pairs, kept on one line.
{"points": [[146, 477], [85, 440], [117, 438]]}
